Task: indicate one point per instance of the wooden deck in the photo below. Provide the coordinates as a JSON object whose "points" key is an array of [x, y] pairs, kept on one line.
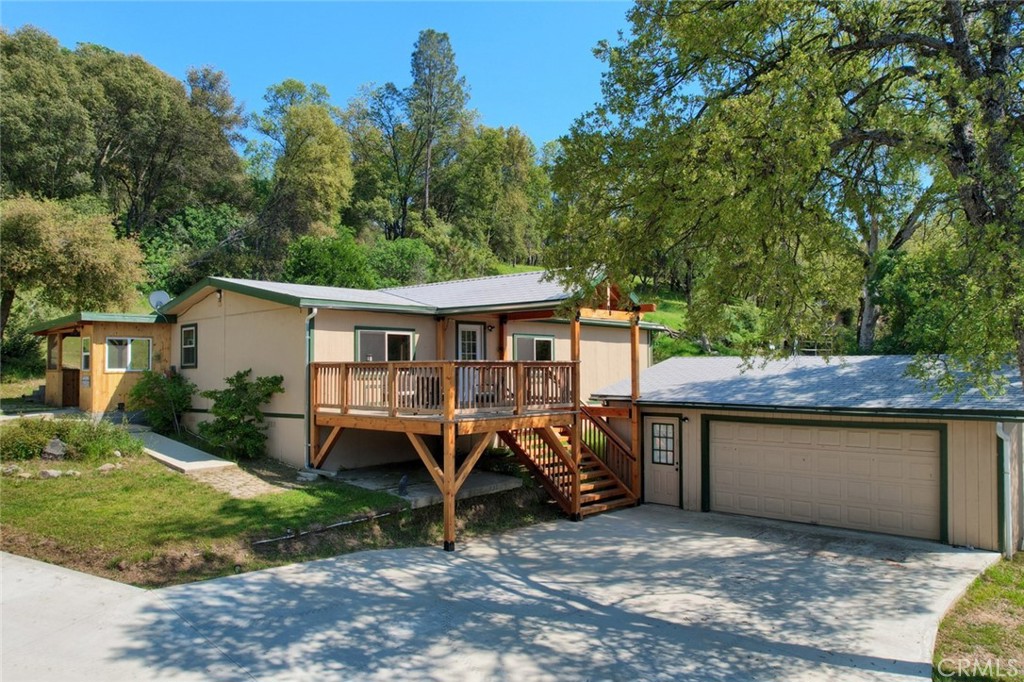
{"points": [[534, 407]]}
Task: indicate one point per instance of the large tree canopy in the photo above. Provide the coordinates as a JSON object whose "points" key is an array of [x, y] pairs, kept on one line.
{"points": [[72, 260], [782, 149]]}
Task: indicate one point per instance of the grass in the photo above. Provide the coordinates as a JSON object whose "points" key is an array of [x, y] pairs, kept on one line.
{"points": [[507, 269], [12, 392], [983, 634], [146, 525]]}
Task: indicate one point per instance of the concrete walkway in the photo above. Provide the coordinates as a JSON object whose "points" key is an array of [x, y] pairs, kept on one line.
{"points": [[178, 456], [650, 593]]}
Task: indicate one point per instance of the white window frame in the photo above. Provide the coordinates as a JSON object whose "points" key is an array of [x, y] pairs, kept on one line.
{"points": [[387, 334], [86, 362], [194, 328], [535, 338], [128, 365]]}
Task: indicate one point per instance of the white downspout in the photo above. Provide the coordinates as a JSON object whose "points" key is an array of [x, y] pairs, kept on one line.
{"points": [[1007, 510], [309, 360]]}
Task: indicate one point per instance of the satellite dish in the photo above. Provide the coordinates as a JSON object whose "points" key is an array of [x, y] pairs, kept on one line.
{"points": [[158, 299]]}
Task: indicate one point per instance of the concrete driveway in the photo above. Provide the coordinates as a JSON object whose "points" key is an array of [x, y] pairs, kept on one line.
{"points": [[650, 593]]}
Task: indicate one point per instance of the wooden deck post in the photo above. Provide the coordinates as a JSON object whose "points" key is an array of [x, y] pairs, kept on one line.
{"points": [[439, 341], [577, 453], [502, 350], [448, 431], [634, 395]]}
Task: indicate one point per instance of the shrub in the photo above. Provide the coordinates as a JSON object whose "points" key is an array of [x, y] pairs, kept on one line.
{"points": [[163, 398], [25, 438], [237, 429]]}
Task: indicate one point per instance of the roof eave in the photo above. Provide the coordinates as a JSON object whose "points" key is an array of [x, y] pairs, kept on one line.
{"points": [[906, 413]]}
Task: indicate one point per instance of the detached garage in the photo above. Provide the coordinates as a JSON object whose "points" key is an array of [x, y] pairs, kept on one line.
{"points": [[851, 443]]}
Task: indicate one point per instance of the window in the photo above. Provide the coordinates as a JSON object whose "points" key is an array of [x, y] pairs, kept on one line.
{"points": [[373, 345], [86, 354], [189, 352], [539, 348], [128, 354], [471, 341], [52, 352], [663, 443]]}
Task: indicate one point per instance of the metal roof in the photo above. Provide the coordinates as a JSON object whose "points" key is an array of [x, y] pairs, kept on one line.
{"points": [[86, 317], [519, 291], [865, 383], [499, 291], [304, 295]]}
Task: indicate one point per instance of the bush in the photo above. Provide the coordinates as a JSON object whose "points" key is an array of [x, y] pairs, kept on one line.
{"points": [[25, 438], [163, 398], [237, 429]]}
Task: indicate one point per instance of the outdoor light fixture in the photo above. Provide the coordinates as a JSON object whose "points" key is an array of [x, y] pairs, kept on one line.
{"points": [[490, 327]]}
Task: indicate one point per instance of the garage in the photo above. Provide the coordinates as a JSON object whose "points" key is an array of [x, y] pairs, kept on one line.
{"points": [[879, 480], [857, 442]]}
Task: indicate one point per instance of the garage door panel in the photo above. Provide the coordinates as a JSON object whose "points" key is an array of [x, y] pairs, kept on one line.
{"points": [[884, 480], [829, 463], [829, 438], [890, 468], [890, 440]]}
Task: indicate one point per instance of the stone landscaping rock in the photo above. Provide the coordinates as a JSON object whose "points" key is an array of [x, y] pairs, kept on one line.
{"points": [[106, 468], [117, 453], [55, 450], [72, 472], [24, 474], [307, 476], [10, 470], [50, 473]]}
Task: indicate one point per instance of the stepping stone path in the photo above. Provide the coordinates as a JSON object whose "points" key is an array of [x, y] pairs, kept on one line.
{"points": [[235, 482]]}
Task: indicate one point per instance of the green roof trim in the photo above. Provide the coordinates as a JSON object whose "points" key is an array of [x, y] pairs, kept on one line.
{"points": [[86, 317]]}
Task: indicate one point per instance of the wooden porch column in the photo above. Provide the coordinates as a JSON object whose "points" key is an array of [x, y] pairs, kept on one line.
{"points": [[502, 350], [439, 341], [448, 431], [577, 453], [634, 395]]}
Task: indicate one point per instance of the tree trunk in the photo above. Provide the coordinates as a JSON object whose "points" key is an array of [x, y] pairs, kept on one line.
{"points": [[868, 319], [6, 303], [868, 308], [426, 178]]}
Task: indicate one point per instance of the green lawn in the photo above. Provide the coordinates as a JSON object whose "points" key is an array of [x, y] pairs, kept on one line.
{"points": [[149, 526], [139, 516], [983, 634]]}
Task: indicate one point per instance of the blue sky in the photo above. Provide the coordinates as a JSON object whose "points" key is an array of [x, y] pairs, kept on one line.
{"points": [[528, 64]]}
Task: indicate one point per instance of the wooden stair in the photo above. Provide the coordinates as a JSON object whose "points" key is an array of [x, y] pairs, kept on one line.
{"points": [[547, 455]]}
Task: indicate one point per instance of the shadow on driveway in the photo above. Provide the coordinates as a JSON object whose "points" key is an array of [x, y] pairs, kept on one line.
{"points": [[650, 593]]}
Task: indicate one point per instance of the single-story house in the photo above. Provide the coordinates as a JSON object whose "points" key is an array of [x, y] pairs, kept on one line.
{"points": [[851, 442], [448, 366]]}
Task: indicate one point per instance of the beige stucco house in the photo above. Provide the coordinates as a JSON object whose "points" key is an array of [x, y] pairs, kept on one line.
{"points": [[847, 442]]}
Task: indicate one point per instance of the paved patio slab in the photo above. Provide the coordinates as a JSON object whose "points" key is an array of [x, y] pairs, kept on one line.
{"points": [[421, 490], [650, 593]]}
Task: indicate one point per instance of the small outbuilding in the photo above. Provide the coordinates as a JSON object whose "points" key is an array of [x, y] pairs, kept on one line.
{"points": [[849, 442], [94, 359]]}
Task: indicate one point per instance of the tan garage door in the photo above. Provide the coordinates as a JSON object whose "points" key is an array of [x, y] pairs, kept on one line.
{"points": [[881, 480]]}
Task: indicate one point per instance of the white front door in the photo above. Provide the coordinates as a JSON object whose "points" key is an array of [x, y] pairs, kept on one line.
{"points": [[470, 341], [661, 460]]}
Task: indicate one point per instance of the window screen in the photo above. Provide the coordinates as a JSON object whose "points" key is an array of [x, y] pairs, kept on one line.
{"points": [[384, 346], [129, 355], [538, 348]]}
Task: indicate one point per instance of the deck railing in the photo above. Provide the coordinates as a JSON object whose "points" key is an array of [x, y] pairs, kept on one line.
{"points": [[609, 447], [442, 388]]}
